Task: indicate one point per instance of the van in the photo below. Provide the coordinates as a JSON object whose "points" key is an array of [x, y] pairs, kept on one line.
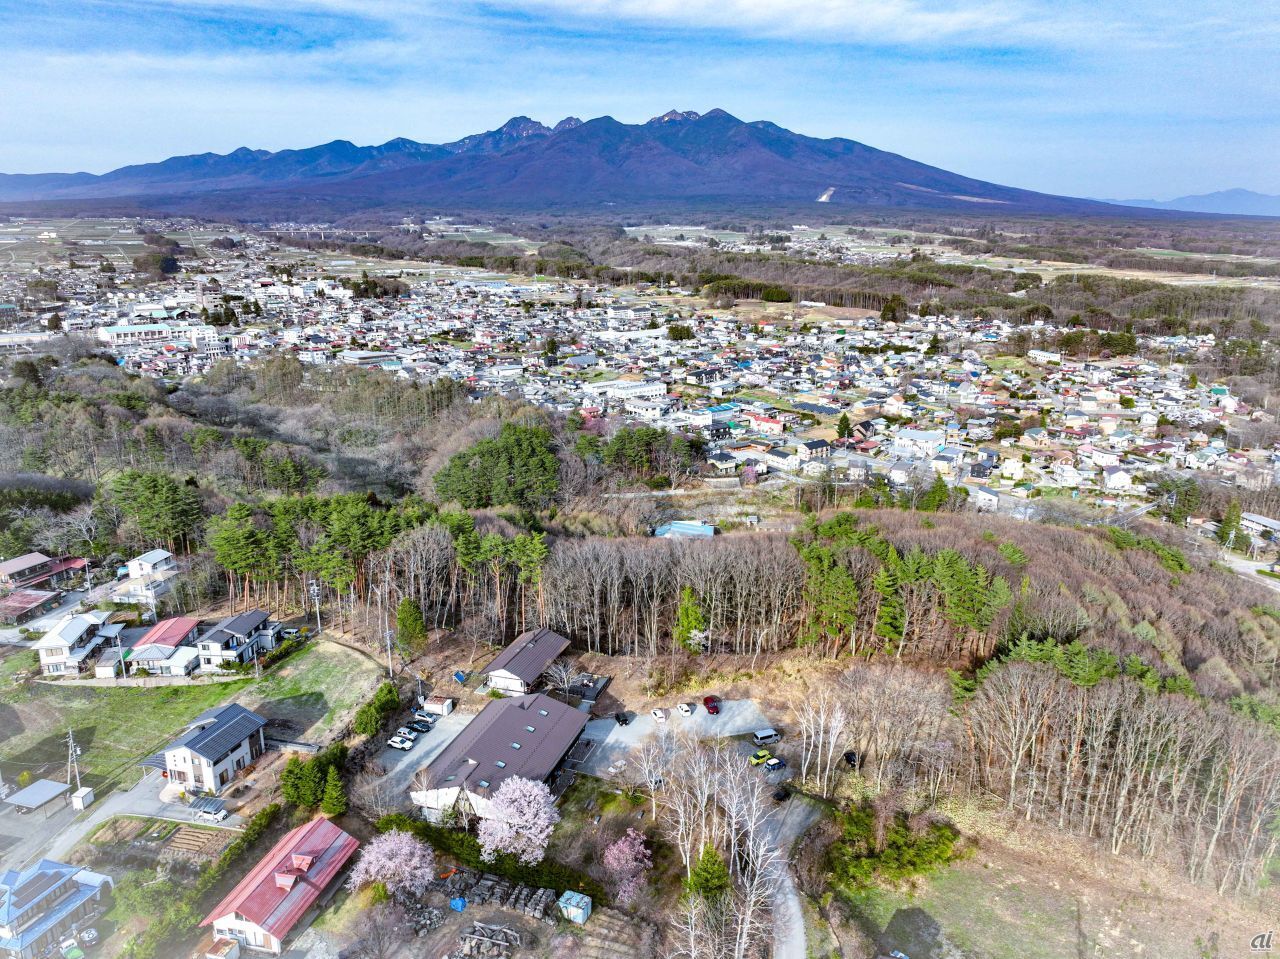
{"points": [[766, 737]]}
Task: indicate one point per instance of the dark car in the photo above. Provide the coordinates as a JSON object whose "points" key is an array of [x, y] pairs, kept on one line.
{"points": [[712, 703], [418, 726], [781, 794], [851, 757], [622, 719]]}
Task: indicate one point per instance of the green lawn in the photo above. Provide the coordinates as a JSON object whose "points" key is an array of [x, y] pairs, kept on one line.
{"points": [[312, 690], [114, 728]]}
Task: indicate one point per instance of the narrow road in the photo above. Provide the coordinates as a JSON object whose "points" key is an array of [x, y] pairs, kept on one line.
{"points": [[789, 824], [1249, 570]]}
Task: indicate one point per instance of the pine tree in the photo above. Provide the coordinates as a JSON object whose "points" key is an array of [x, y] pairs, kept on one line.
{"points": [[844, 429], [334, 802], [290, 778], [411, 627], [709, 879], [691, 622], [1229, 528], [310, 789]]}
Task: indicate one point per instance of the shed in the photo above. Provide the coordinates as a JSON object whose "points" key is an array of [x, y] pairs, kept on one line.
{"points": [[38, 795], [575, 906]]}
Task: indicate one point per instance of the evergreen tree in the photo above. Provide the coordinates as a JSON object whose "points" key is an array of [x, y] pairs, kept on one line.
{"points": [[709, 879], [334, 802], [411, 627], [691, 622], [310, 786], [844, 429], [1229, 533], [936, 497]]}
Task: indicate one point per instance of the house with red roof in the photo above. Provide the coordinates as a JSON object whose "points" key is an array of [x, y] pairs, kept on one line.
{"points": [[167, 648], [267, 904]]}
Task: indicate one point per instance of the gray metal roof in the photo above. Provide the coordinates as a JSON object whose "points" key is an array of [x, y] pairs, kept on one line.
{"points": [[242, 624], [529, 654], [39, 793], [217, 730], [544, 729]]}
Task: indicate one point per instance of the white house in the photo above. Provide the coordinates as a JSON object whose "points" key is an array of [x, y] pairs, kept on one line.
{"points": [[238, 639], [219, 744], [515, 669], [150, 576], [67, 648]]}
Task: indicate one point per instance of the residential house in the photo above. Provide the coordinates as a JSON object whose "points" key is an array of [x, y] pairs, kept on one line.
{"points": [[37, 570], [67, 648], [525, 736], [238, 639], [167, 648], [286, 884], [984, 499], [42, 904], [23, 605], [149, 577], [220, 743], [1117, 478], [515, 670]]}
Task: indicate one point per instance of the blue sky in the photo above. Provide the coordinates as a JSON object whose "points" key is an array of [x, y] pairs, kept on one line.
{"points": [[1081, 97]]}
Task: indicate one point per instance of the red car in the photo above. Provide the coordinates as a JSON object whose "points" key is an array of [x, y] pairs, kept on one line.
{"points": [[713, 704]]}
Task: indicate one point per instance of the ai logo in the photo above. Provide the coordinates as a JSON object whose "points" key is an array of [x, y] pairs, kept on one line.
{"points": [[1261, 942]]}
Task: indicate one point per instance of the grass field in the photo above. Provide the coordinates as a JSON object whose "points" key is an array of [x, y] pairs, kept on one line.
{"points": [[311, 692], [114, 728]]}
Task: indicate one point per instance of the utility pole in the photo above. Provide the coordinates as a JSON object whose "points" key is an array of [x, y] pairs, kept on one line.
{"points": [[314, 587], [73, 758], [391, 673]]}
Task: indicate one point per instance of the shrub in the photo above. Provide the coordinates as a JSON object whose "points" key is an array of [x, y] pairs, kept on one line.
{"points": [[878, 848]]}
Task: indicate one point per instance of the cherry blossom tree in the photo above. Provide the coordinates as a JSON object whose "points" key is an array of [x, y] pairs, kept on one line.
{"points": [[398, 860], [520, 822], [627, 861]]}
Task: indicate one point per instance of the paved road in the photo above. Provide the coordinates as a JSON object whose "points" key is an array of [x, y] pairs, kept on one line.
{"points": [[34, 835], [789, 824], [614, 742], [1249, 570], [401, 766]]}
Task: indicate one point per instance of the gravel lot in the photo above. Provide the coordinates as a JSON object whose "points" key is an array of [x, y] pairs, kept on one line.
{"points": [[401, 766]]}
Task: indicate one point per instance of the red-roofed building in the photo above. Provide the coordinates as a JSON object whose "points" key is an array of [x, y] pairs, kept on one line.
{"points": [[261, 911], [176, 631]]}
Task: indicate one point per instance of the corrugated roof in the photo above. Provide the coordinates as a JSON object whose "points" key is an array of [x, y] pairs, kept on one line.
{"points": [[19, 563], [543, 728], [264, 901], [169, 632], [39, 793], [529, 654], [217, 730]]}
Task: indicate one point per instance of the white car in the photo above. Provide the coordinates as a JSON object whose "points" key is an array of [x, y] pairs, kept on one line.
{"points": [[684, 709], [399, 742], [404, 732], [213, 815], [659, 714], [290, 632]]}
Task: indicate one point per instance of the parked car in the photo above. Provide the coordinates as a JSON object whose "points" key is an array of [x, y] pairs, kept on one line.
{"points": [[418, 726], [685, 709], [775, 764], [713, 704], [622, 719], [213, 815], [759, 757], [428, 718], [766, 737], [89, 936], [404, 732], [70, 949], [290, 631], [399, 742], [781, 794], [659, 714], [895, 954]]}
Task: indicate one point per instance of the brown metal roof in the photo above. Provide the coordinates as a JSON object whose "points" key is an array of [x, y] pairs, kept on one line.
{"points": [[529, 654], [485, 752]]}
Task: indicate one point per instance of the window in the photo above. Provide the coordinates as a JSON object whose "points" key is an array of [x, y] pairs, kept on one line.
{"points": [[500, 764], [543, 712], [483, 784]]}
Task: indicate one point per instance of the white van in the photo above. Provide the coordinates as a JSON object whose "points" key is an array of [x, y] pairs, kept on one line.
{"points": [[766, 737]]}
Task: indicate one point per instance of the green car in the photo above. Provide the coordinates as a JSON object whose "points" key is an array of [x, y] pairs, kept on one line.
{"points": [[760, 756], [70, 950]]}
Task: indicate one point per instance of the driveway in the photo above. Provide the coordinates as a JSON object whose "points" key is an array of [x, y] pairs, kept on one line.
{"points": [[788, 824], [56, 835], [737, 717], [401, 766]]}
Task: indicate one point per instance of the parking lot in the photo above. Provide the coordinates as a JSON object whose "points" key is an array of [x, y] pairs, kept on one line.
{"points": [[401, 766], [614, 744]]}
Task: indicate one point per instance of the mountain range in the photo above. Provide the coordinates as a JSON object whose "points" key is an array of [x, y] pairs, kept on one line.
{"points": [[678, 159], [1228, 202]]}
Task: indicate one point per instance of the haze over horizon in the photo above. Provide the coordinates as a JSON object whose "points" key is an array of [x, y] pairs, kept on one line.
{"points": [[1055, 97]]}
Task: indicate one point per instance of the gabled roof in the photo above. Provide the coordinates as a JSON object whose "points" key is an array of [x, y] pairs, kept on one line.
{"points": [[20, 563], [529, 654], [523, 736], [168, 632], [242, 624], [217, 730], [151, 557], [289, 879]]}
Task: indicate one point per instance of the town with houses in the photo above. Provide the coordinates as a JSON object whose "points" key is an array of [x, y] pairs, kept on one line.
{"points": [[789, 395]]}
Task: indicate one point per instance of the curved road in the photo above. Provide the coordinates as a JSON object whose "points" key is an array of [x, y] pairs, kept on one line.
{"points": [[789, 824]]}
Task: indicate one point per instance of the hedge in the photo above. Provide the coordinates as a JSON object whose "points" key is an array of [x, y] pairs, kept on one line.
{"points": [[465, 848]]}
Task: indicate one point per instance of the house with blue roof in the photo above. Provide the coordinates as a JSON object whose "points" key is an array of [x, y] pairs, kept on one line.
{"points": [[44, 904]]}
